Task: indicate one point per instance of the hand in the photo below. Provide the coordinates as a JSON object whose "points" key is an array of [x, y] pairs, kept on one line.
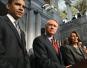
{"points": [[68, 66]]}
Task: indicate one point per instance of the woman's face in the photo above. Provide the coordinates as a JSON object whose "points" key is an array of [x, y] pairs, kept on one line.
{"points": [[74, 38]]}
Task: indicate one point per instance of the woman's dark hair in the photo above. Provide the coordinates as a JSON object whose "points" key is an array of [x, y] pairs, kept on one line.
{"points": [[70, 40]]}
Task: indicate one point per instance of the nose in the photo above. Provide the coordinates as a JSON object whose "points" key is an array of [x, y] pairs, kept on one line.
{"points": [[21, 8], [52, 27]]}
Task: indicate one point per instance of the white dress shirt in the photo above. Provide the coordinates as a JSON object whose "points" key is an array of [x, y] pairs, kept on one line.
{"points": [[14, 22]]}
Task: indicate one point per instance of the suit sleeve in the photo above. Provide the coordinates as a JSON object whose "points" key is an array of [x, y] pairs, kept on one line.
{"points": [[3, 62], [40, 52], [68, 56]]}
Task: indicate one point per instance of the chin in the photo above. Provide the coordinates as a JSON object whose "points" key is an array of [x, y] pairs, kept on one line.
{"points": [[51, 33], [19, 15]]}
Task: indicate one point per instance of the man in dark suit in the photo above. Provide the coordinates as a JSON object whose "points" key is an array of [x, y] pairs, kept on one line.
{"points": [[13, 52], [45, 54]]}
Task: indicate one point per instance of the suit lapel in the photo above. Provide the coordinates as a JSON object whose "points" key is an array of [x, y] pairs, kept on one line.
{"points": [[83, 53], [76, 52], [49, 44], [13, 28]]}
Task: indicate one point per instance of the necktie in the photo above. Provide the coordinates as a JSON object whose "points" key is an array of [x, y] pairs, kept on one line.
{"points": [[18, 28], [56, 46]]}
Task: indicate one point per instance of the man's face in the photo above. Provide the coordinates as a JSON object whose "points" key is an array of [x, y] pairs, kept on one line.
{"points": [[51, 27], [16, 8]]}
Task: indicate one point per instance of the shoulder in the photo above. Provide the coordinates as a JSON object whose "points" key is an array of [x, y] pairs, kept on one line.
{"points": [[3, 19], [68, 47], [41, 37], [40, 40]]}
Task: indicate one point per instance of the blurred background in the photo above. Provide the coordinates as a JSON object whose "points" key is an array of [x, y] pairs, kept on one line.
{"points": [[71, 14]]}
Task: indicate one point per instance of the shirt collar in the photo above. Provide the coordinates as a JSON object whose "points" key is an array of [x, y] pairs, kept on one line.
{"points": [[11, 18], [50, 38]]}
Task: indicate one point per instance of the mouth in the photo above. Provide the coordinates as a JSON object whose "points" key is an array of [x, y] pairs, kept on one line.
{"points": [[19, 13]]}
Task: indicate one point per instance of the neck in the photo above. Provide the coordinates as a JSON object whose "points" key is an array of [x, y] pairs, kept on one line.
{"points": [[16, 18], [75, 45], [49, 35]]}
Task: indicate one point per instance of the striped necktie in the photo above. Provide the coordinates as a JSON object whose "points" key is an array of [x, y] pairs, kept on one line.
{"points": [[18, 28]]}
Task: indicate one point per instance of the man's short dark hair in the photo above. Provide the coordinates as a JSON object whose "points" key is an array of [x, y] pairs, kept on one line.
{"points": [[10, 1]]}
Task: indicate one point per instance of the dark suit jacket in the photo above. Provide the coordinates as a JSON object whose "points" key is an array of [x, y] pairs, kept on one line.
{"points": [[45, 54], [71, 55], [12, 49]]}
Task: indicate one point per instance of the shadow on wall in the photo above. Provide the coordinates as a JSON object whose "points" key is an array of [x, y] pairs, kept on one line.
{"points": [[3, 10]]}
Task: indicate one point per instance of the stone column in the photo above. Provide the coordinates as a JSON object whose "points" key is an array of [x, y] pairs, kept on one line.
{"points": [[69, 12], [30, 29], [38, 24]]}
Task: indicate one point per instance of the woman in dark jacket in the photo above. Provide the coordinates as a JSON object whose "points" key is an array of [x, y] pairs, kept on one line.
{"points": [[73, 53]]}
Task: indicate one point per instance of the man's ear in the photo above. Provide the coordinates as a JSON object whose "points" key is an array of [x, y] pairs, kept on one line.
{"points": [[7, 6]]}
